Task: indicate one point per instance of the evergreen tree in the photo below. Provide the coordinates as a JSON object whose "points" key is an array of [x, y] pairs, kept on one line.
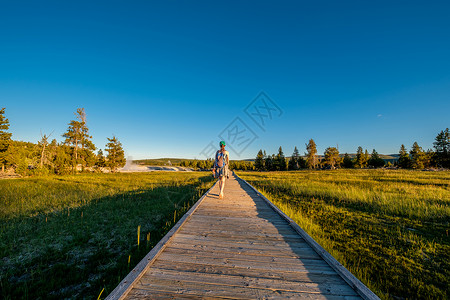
{"points": [[332, 158], [360, 158], [429, 159], [51, 153], [442, 147], [347, 162], [5, 138], [281, 160], [311, 157], [101, 162], [62, 159], [78, 137], [375, 160], [116, 155], [302, 163], [404, 160], [417, 156], [269, 163], [43, 143], [293, 161], [366, 158], [88, 157], [259, 161]]}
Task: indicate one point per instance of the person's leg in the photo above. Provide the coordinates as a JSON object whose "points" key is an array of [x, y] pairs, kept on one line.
{"points": [[222, 186]]}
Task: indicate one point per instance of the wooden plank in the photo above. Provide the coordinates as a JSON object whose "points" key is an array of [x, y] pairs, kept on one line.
{"points": [[218, 218], [247, 215], [249, 237], [305, 253], [239, 214], [233, 292], [240, 210], [184, 291], [237, 208], [270, 274], [250, 203], [302, 249], [224, 253], [235, 281], [339, 289], [272, 235], [255, 226], [196, 293], [251, 264], [127, 283], [355, 283], [154, 294], [236, 240]]}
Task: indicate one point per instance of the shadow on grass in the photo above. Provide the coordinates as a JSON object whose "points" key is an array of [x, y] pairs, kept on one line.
{"points": [[75, 253]]}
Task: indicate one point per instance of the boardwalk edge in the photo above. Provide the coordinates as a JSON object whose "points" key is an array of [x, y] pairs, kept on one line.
{"points": [[124, 287], [354, 282]]}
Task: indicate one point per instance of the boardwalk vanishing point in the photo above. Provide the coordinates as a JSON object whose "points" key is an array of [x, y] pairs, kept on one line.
{"points": [[239, 247]]}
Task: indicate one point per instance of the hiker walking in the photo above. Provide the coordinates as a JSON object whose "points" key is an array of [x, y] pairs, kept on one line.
{"points": [[220, 168]]}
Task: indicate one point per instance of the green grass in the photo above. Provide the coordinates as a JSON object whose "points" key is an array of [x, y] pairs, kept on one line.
{"points": [[389, 228], [72, 236]]}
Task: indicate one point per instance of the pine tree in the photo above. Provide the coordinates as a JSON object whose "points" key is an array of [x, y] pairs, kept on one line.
{"points": [[43, 143], [301, 163], [293, 161], [311, 157], [359, 160], [332, 158], [347, 162], [259, 161], [101, 162], [5, 138], [429, 158], [269, 163], [404, 160], [281, 160], [375, 160], [62, 159], [78, 137], [366, 158], [417, 156], [116, 155], [442, 147]]}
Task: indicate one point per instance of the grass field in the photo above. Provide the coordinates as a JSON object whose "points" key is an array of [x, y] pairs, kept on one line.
{"points": [[389, 228], [73, 236]]}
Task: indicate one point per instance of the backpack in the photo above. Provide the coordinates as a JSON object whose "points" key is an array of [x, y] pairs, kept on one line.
{"points": [[220, 158]]}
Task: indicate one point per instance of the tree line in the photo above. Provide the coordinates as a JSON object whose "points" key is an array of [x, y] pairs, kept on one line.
{"points": [[416, 158], [208, 164], [74, 154]]}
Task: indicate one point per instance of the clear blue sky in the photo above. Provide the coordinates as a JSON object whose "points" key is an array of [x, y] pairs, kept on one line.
{"points": [[167, 77]]}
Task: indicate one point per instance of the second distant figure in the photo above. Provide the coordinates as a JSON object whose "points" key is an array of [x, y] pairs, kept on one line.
{"points": [[220, 168]]}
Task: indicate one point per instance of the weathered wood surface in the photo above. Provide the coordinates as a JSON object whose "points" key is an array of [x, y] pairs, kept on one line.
{"points": [[238, 247]]}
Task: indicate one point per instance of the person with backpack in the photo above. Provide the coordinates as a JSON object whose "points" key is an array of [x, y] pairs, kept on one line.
{"points": [[220, 168]]}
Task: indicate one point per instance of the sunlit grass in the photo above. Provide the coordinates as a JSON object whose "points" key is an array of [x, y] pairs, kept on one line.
{"points": [[389, 228], [72, 236]]}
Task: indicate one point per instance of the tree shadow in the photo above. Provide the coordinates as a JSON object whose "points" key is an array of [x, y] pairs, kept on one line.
{"points": [[78, 251]]}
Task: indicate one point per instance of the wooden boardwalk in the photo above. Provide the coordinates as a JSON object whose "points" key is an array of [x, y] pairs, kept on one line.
{"points": [[239, 247]]}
